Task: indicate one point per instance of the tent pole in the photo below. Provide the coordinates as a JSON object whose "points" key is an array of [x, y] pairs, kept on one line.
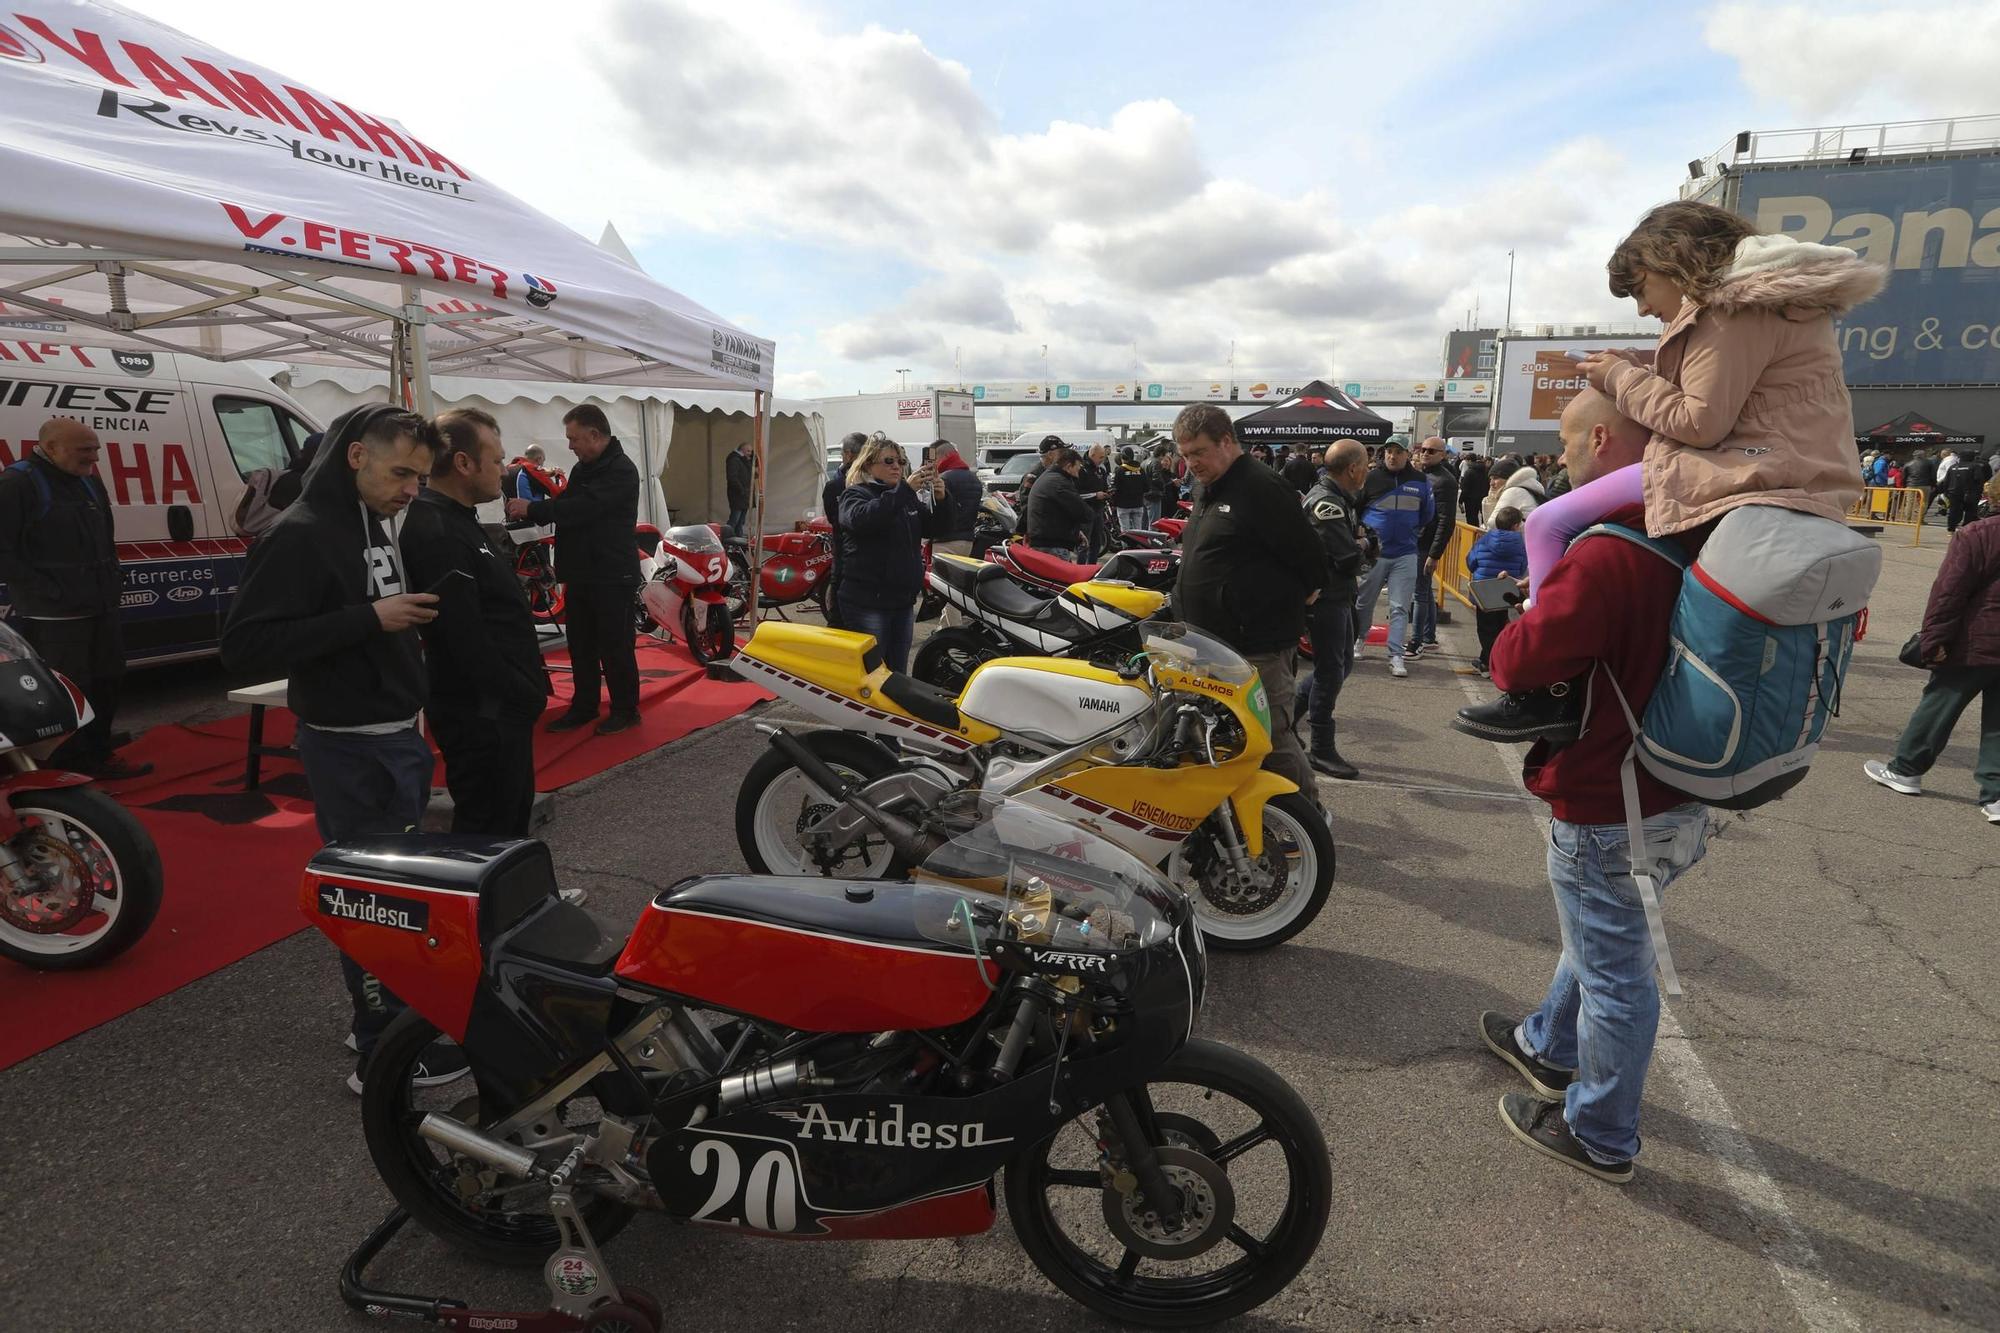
{"points": [[756, 551], [415, 320]]}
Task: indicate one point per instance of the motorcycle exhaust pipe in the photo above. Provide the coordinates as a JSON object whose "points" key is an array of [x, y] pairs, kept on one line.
{"points": [[908, 840], [466, 1141]]}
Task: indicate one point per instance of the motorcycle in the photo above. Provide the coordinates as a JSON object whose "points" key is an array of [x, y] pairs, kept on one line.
{"points": [[1092, 621], [996, 522], [825, 1059], [535, 566], [684, 590], [80, 879], [1047, 575], [1163, 756], [796, 567]]}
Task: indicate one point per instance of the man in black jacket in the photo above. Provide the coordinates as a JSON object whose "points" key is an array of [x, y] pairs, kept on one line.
{"points": [[325, 601], [59, 561], [487, 683], [1331, 508], [1058, 517], [1473, 482], [1093, 483], [1025, 491], [598, 562], [1437, 469], [829, 507], [739, 469], [1250, 565]]}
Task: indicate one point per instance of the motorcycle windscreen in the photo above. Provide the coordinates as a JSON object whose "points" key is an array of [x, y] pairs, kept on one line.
{"points": [[38, 703]]}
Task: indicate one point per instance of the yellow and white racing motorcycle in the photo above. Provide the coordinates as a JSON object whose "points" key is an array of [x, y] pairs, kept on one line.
{"points": [[1162, 755]]}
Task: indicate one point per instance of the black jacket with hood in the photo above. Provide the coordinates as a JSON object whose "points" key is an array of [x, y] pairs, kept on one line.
{"points": [[1249, 560], [306, 605], [595, 517], [482, 653]]}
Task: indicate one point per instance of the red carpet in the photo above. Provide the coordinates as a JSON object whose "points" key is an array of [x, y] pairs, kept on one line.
{"points": [[233, 857]]}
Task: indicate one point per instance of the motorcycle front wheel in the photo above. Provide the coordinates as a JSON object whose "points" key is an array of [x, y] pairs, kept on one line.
{"points": [[464, 1203], [776, 802], [91, 880], [949, 656], [714, 643], [1288, 885], [1252, 1168]]}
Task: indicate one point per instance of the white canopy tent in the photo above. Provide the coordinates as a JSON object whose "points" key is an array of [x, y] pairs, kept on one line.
{"points": [[678, 437], [162, 194]]}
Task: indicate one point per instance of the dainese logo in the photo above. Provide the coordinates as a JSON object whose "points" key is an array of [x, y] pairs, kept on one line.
{"points": [[13, 46]]}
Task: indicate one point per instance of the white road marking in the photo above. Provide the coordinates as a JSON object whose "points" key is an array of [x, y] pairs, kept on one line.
{"points": [[1786, 1246]]}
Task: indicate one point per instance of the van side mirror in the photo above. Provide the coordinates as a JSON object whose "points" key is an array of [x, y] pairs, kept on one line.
{"points": [[180, 523]]}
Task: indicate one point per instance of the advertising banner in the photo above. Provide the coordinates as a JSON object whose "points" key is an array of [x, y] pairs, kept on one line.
{"points": [[1009, 391], [1468, 354], [1187, 391], [1269, 388], [1423, 390], [1538, 377], [1093, 391], [1468, 391], [1937, 225], [913, 409]]}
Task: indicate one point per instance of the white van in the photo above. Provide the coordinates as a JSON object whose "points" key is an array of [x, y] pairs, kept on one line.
{"points": [[180, 435], [1002, 466]]}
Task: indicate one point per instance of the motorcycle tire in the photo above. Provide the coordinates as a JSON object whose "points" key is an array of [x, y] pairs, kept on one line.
{"points": [[618, 1317], [949, 656], [425, 1186], [717, 643], [1264, 1266], [760, 820], [739, 583], [1291, 818], [134, 863]]}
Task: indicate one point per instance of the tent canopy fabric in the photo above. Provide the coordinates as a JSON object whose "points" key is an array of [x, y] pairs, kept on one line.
{"points": [[1319, 415], [164, 195], [677, 437], [1915, 429]]}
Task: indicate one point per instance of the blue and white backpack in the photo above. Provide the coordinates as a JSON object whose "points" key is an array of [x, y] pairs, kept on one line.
{"points": [[1761, 638]]}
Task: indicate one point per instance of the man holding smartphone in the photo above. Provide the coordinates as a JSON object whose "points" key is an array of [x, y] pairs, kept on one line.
{"points": [[488, 686]]}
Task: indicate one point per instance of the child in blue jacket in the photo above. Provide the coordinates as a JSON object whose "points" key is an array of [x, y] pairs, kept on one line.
{"points": [[1500, 550]]}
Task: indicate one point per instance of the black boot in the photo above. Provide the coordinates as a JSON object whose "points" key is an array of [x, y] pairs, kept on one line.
{"points": [[1554, 714], [1325, 755]]}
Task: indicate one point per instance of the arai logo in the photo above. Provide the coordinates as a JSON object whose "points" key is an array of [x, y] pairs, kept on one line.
{"points": [[186, 592]]}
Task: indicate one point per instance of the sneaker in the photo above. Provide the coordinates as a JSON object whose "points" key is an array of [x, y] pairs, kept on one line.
{"points": [[440, 1063], [1541, 1126], [1397, 669], [1360, 649], [571, 721], [1893, 780], [1433, 646], [574, 897], [1992, 811], [1413, 652], [1483, 671], [353, 1043], [1502, 1036], [1554, 714], [618, 722]]}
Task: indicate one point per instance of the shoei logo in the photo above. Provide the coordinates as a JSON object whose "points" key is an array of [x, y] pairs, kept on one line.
{"points": [[374, 909], [13, 46]]}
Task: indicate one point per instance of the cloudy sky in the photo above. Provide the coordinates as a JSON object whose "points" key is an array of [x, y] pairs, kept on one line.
{"points": [[1327, 186]]}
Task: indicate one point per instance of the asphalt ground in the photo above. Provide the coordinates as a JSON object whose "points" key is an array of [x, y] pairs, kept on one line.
{"points": [[1822, 1133]]}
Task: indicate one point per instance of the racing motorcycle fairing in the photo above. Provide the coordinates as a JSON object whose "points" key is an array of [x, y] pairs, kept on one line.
{"points": [[817, 667], [1250, 800], [815, 955]]}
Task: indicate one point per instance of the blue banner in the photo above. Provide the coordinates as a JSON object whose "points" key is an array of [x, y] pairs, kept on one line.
{"points": [[1937, 225]]}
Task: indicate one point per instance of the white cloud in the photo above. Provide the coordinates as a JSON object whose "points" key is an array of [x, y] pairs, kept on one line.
{"points": [[1926, 59]]}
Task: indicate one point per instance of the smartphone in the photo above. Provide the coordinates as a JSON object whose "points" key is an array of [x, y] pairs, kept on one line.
{"points": [[444, 580], [1498, 593]]}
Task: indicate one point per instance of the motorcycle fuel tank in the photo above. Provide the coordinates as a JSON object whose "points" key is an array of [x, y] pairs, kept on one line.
{"points": [[1064, 702]]}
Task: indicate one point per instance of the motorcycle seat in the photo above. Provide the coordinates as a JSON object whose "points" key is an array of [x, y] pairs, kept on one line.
{"points": [[997, 591], [1050, 568], [924, 702]]}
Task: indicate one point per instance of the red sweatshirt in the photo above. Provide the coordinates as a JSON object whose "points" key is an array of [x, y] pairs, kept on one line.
{"points": [[1606, 600]]}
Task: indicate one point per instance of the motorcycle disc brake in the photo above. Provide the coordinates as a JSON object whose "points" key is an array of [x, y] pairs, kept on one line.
{"points": [[57, 892], [1208, 1209]]}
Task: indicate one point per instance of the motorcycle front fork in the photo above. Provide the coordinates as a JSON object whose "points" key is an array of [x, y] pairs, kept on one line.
{"points": [[1229, 838]]}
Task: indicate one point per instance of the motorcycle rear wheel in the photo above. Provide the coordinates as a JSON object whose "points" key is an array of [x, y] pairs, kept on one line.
{"points": [[73, 832], [515, 1229], [949, 656], [1297, 846], [776, 800], [1056, 1197]]}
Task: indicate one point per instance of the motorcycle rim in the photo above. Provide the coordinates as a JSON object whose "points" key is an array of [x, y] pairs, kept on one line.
{"points": [[1292, 878], [99, 849], [453, 1198], [783, 800], [1219, 1107], [739, 586], [714, 643]]}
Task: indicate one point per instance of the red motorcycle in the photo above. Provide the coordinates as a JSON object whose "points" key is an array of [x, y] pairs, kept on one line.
{"points": [[822, 1059], [796, 566], [535, 547], [684, 590], [1046, 575], [80, 879]]}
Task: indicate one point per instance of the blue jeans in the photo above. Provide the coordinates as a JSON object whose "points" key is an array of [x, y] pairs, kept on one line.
{"points": [[1330, 624], [1427, 607], [1603, 1006], [1399, 573], [737, 520], [1133, 520], [893, 629], [1152, 512]]}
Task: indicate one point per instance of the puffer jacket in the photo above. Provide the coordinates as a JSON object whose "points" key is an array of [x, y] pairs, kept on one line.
{"points": [[1746, 398], [1523, 491], [1963, 614]]}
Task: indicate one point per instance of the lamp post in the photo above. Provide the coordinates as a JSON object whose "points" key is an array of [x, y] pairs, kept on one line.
{"points": [[1507, 321], [904, 371]]}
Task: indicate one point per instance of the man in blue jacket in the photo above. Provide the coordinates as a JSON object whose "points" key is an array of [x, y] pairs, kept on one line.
{"points": [[1396, 502]]}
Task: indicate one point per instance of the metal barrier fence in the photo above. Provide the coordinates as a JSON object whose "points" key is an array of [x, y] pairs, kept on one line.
{"points": [[1898, 506], [1452, 580]]}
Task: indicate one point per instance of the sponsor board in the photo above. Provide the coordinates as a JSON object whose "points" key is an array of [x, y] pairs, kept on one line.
{"points": [[1423, 390], [1539, 376]]}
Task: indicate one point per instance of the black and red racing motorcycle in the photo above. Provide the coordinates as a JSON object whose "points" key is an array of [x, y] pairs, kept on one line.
{"points": [[814, 1058]]}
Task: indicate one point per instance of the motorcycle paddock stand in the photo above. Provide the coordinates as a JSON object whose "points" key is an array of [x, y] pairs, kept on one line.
{"points": [[629, 1310]]}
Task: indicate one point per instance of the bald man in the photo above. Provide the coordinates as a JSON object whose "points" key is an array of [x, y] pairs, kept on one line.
{"points": [[1604, 607], [60, 563]]}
